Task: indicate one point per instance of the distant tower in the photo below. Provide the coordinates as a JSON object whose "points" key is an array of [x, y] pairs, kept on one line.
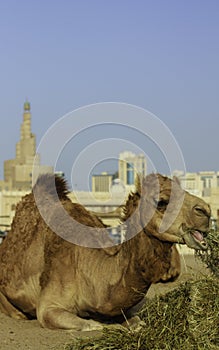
{"points": [[26, 147], [18, 171]]}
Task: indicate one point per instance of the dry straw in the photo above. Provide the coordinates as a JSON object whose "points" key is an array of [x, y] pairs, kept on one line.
{"points": [[186, 318]]}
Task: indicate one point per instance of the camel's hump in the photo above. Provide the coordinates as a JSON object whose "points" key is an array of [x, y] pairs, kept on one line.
{"points": [[52, 184]]}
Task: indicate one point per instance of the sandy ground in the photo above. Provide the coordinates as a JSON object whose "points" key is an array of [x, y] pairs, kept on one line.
{"points": [[28, 335]]}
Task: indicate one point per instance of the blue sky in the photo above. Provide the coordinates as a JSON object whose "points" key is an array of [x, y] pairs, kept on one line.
{"points": [[159, 55]]}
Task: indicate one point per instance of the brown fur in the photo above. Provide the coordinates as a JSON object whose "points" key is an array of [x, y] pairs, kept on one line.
{"points": [[69, 286]]}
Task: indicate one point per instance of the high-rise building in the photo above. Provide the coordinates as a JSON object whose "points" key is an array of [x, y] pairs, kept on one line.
{"points": [[130, 165], [26, 147]]}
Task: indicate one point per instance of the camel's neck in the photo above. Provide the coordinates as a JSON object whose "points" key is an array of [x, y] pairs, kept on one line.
{"points": [[149, 257]]}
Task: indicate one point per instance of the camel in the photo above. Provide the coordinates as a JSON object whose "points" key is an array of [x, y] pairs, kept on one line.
{"points": [[69, 286]]}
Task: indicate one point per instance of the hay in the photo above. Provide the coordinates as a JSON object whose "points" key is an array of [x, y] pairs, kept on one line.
{"points": [[186, 318], [211, 256]]}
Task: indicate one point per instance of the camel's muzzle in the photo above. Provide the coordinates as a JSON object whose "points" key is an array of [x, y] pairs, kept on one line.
{"points": [[194, 238]]}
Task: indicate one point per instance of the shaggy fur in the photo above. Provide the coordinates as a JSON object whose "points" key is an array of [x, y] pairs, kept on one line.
{"points": [[71, 286]]}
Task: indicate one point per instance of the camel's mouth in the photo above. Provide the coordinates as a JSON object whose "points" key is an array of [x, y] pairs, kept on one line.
{"points": [[194, 238]]}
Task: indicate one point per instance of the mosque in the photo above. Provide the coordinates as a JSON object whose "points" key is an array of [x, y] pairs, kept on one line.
{"points": [[18, 171]]}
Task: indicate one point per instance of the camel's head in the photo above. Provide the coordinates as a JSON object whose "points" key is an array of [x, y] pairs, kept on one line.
{"points": [[172, 214]]}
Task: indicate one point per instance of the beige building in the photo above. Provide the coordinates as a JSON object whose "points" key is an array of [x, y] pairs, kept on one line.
{"points": [[213, 200], [204, 184], [102, 182], [200, 183], [130, 165], [103, 204], [8, 202]]}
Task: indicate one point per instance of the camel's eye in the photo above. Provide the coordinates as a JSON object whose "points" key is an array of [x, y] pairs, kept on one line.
{"points": [[162, 205]]}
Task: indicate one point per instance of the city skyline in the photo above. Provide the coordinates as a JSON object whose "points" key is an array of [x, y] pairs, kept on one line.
{"points": [[160, 56], [109, 165]]}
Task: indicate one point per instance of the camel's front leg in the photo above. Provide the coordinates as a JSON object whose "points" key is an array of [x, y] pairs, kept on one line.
{"points": [[55, 318], [8, 309]]}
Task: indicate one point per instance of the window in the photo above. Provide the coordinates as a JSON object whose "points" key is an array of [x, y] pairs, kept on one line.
{"points": [[130, 174]]}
